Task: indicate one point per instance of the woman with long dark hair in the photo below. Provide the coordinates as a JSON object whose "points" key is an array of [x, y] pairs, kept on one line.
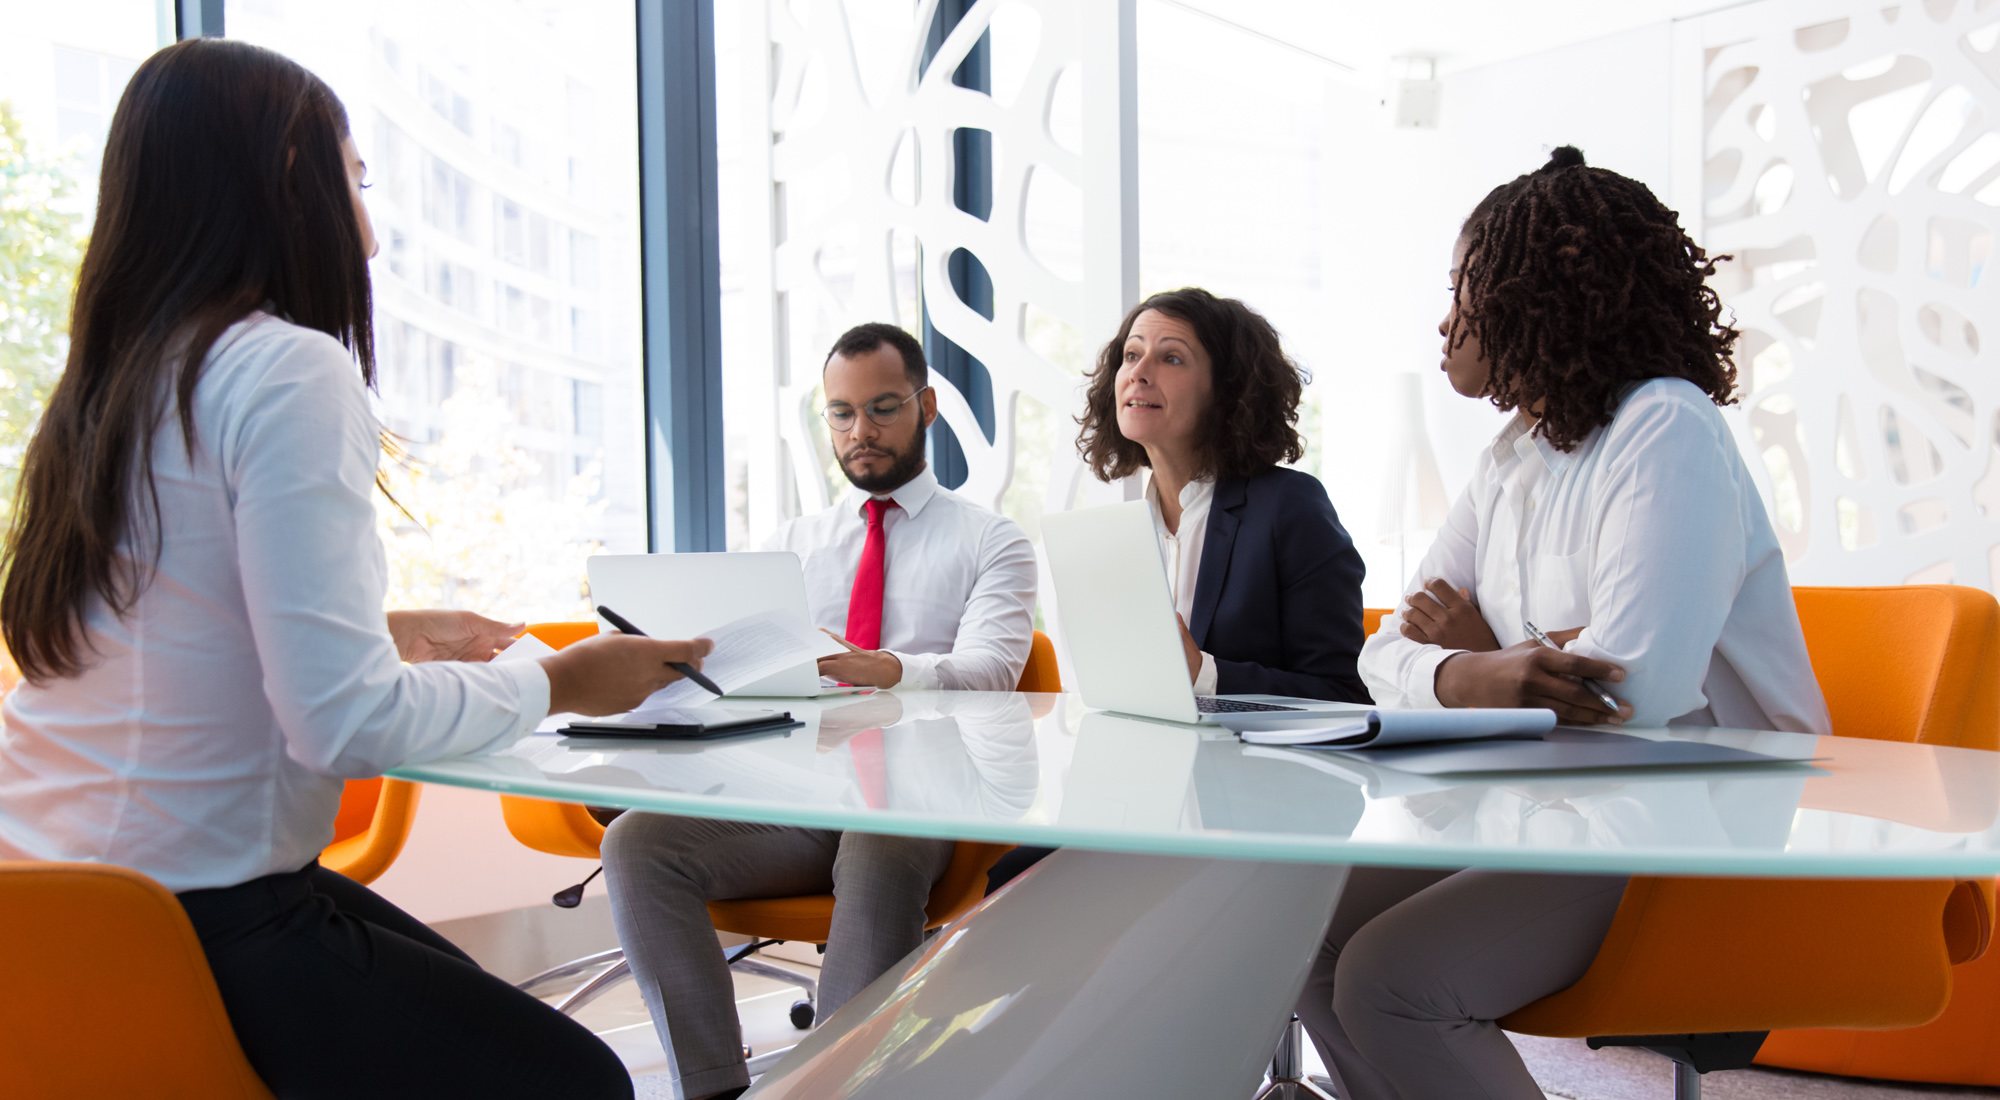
{"points": [[194, 592]]}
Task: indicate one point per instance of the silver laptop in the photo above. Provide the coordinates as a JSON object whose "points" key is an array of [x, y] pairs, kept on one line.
{"points": [[1117, 618], [683, 595]]}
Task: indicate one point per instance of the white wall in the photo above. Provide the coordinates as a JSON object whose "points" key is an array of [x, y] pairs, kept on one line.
{"points": [[1396, 211]]}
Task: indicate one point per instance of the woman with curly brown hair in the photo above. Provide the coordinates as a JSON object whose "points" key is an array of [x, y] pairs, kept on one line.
{"points": [[1198, 391], [1614, 510]]}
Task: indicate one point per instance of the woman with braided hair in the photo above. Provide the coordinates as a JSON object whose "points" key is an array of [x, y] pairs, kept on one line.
{"points": [[1615, 511]]}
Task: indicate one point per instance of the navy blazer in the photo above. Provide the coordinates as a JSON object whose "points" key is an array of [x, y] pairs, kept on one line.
{"points": [[1277, 598]]}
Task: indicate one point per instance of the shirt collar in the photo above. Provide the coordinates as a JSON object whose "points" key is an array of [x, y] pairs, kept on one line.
{"points": [[911, 496], [1518, 442], [1193, 495]]}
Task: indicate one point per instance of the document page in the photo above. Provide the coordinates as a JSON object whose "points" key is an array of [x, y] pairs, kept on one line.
{"points": [[746, 651], [527, 647], [1382, 729]]}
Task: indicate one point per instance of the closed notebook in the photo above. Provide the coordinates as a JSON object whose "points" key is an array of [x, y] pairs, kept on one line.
{"points": [[1384, 729]]}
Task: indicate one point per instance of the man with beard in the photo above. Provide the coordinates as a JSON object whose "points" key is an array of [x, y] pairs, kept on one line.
{"points": [[926, 590]]}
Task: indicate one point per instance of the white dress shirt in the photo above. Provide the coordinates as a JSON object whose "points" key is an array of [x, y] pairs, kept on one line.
{"points": [[207, 741], [1651, 536], [958, 583], [1181, 551]]}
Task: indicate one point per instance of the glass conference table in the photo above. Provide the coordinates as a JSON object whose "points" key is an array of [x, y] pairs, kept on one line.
{"points": [[1159, 953]]}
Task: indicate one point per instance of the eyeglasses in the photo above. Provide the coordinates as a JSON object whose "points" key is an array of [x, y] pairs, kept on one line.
{"points": [[841, 416]]}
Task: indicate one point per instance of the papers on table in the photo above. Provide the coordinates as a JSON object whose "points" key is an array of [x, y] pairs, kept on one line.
{"points": [[747, 651], [1381, 729], [527, 647]]}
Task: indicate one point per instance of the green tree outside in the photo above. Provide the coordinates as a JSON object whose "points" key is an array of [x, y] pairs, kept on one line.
{"points": [[41, 246]]}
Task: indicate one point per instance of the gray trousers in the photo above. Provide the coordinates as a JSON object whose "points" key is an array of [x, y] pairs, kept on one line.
{"points": [[1418, 964], [662, 872]]}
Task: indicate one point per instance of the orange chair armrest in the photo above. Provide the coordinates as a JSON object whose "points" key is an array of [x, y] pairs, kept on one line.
{"points": [[1708, 955]]}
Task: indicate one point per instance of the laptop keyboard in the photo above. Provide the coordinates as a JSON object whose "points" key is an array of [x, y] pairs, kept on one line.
{"points": [[1209, 704]]}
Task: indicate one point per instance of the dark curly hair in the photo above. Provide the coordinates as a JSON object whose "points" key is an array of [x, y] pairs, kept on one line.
{"points": [[1578, 282], [1252, 421]]}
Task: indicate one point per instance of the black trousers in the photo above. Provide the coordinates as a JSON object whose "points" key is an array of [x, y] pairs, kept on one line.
{"points": [[335, 992], [1012, 864]]}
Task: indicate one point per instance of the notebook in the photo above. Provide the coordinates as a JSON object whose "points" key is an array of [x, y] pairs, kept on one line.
{"points": [[1382, 729]]}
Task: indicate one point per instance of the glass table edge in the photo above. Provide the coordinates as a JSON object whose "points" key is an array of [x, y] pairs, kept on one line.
{"points": [[1266, 847]]}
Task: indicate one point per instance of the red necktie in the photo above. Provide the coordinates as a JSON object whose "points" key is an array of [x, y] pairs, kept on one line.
{"points": [[864, 604], [864, 629]]}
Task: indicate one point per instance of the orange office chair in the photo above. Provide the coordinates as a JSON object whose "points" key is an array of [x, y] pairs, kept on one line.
{"points": [[1700, 968], [569, 830], [93, 952], [1962, 1046], [370, 829]]}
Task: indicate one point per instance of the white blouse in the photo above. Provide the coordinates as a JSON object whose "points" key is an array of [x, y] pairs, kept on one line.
{"points": [[1180, 550], [1651, 536], [207, 741]]}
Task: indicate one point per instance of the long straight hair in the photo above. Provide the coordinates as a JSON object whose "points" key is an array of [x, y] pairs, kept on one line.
{"points": [[224, 191]]}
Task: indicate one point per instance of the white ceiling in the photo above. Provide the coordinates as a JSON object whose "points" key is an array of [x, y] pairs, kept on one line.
{"points": [[1368, 38]]}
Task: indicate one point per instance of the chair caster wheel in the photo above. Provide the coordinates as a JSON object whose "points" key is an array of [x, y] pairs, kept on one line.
{"points": [[802, 1014]]}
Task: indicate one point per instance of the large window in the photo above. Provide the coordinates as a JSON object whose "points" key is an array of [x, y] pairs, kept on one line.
{"points": [[1257, 161], [819, 234], [62, 69], [502, 145]]}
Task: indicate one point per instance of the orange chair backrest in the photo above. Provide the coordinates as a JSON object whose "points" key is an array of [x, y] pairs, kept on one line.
{"points": [[1040, 674], [358, 799], [366, 851], [1371, 620], [107, 991], [1909, 662], [558, 635]]}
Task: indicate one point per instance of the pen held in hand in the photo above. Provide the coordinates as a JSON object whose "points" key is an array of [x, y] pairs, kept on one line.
{"points": [[1596, 688], [624, 626]]}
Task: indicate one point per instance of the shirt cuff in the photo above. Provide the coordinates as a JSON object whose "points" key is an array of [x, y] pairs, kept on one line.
{"points": [[531, 687], [1422, 687], [920, 672], [1204, 681]]}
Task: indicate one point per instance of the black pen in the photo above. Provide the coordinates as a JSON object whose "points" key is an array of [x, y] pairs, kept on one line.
{"points": [[625, 627]]}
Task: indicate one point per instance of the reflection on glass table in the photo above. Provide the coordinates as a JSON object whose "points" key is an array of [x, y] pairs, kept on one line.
{"points": [[1182, 843], [1032, 769]]}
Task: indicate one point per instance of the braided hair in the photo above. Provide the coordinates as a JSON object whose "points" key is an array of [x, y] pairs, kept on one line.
{"points": [[1577, 282]]}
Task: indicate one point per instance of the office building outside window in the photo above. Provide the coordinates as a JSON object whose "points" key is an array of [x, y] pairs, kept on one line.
{"points": [[503, 152]]}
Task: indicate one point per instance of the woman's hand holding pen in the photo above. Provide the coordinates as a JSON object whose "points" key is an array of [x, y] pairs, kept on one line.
{"points": [[612, 673]]}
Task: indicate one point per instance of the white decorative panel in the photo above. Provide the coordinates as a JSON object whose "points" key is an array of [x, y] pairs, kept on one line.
{"points": [[862, 219], [1851, 163]]}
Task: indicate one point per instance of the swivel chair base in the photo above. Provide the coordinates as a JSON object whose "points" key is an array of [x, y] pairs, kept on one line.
{"points": [[1693, 1055], [1288, 1080]]}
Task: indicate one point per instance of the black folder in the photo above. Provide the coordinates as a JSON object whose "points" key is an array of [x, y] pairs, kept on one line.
{"points": [[684, 724]]}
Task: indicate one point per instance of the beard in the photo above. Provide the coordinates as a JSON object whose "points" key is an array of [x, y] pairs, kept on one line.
{"points": [[905, 462]]}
